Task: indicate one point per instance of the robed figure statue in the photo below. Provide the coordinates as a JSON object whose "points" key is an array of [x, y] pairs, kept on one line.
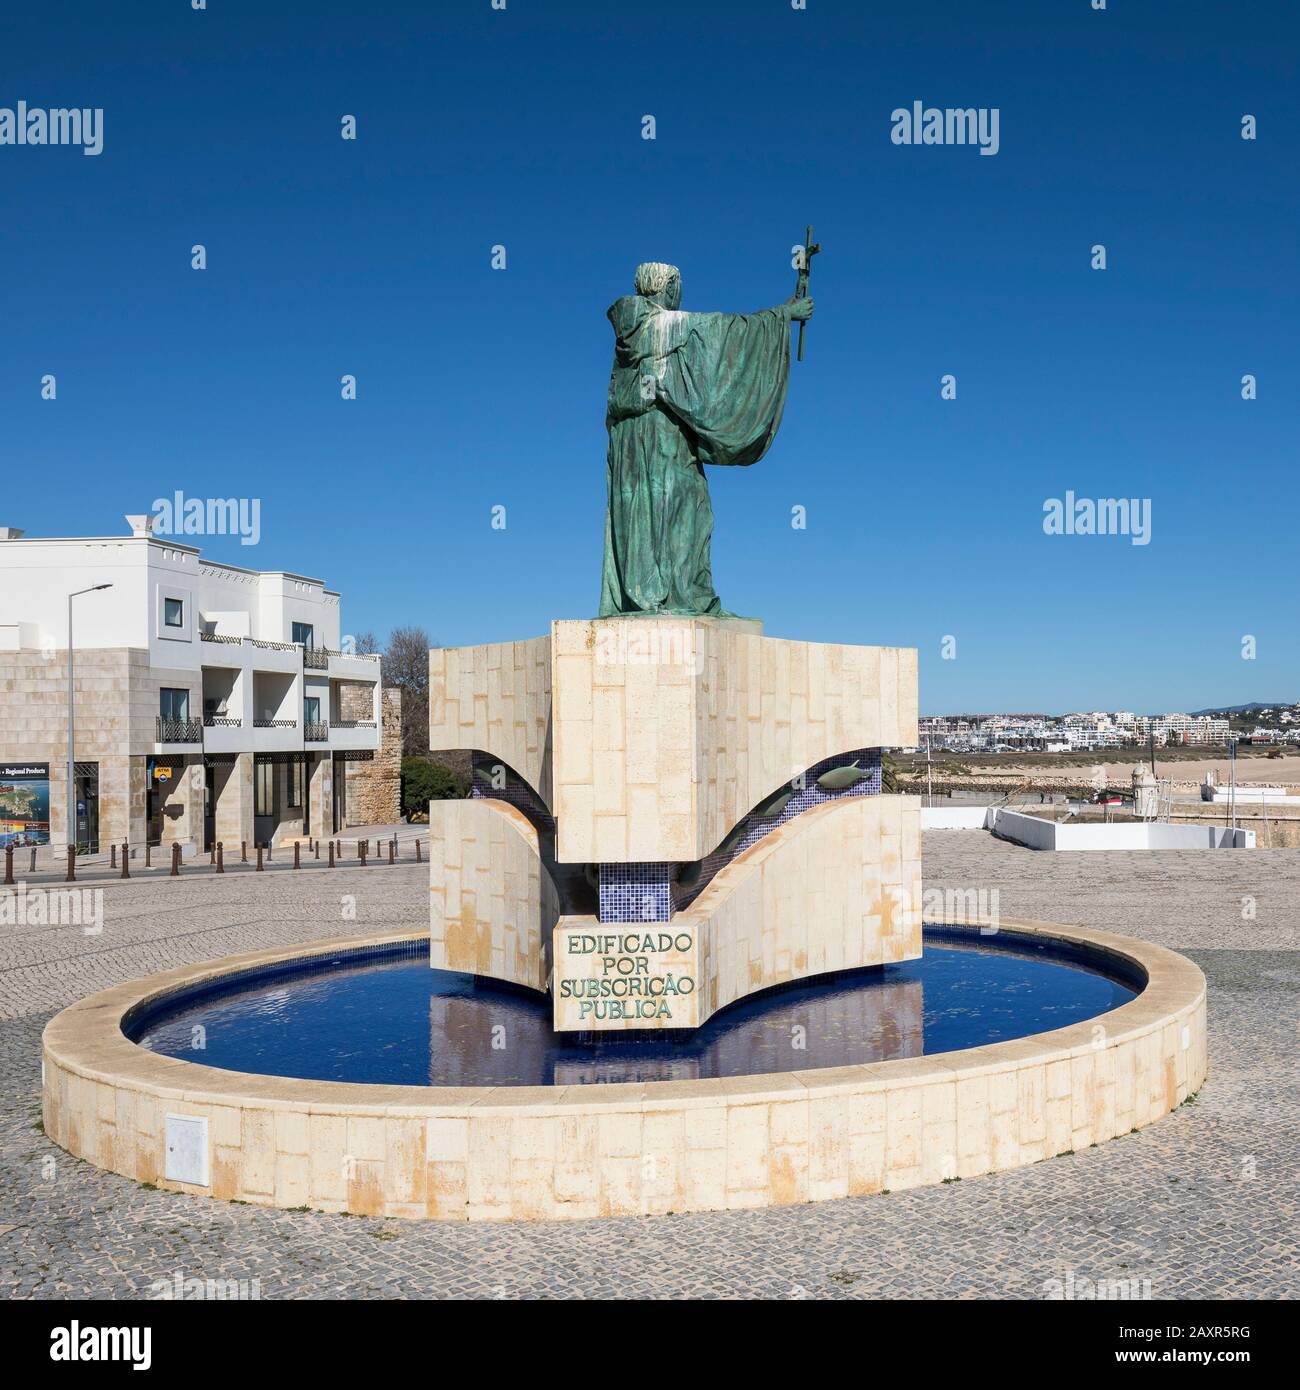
{"points": [[686, 390]]}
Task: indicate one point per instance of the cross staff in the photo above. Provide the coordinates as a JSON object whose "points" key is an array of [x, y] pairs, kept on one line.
{"points": [[810, 249]]}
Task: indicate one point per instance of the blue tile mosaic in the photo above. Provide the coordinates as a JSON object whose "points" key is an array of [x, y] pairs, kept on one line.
{"points": [[493, 780], [636, 892]]}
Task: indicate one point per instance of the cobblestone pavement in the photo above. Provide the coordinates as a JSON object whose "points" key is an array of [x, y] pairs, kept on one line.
{"points": [[1203, 1203]]}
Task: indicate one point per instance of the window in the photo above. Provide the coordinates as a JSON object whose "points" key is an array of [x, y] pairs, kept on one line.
{"points": [[174, 612], [174, 704], [296, 770], [311, 710], [304, 633], [264, 789]]}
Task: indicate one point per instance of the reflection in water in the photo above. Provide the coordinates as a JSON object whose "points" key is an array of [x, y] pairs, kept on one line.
{"points": [[390, 1019]]}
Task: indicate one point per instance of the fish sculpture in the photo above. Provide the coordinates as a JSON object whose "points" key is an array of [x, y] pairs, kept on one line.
{"points": [[775, 804], [839, 779]]}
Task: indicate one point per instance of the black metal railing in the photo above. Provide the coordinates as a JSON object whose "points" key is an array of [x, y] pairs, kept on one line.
{"points": [[275, 723], [274, 646], [179, 730], [219, 721], [317, 731], [354, 724], [218, 637], [316, 658]]}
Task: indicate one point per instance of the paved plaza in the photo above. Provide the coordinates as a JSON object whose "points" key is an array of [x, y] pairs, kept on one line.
{"points": [[1202, 1203]]}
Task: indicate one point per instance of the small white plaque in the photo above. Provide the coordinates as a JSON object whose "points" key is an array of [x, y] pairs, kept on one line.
{"points": [[187, 1149]]}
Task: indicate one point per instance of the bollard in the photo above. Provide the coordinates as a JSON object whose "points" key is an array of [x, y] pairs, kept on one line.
{"points": [[148, 855], [417, 851], [33, 859], [331, 854], [243, 851], [259, 859], [296, 864], [212, 855], [317, 849], [268, 851], [112, 856], [9, 865], [176, 860], [392, 851], [361, 851], [72, 864], [126, 861], [221, 861]]}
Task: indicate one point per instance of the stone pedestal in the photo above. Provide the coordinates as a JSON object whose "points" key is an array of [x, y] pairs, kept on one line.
{"points": [[718, 793]]}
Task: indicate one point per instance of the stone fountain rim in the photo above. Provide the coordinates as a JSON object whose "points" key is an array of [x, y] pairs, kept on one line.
{"points": [[86, 1039]]}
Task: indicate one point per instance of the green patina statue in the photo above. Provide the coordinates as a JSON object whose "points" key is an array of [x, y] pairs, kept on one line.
{"points": [[686, 390]]}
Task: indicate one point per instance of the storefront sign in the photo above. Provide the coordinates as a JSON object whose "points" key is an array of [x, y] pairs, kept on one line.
{"points": [[24, 804]]}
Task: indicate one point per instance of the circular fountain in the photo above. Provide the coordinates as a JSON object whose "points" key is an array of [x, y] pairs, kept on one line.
{"points": [[355, 1078]]}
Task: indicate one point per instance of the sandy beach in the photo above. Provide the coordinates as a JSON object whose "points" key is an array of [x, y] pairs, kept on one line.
{"points": [[1185, 774]]}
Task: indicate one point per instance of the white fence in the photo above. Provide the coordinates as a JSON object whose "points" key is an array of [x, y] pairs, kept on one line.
{"points": [[1037, 833]]}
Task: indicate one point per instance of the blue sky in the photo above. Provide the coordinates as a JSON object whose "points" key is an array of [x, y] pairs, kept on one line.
{"points": [[480, 388]]}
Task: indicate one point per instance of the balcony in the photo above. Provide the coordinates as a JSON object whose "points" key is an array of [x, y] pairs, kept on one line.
{"points": [[178, 730], [354, 735], [277, 735], [316, 731], [316, 658], [224, 735], [354, 666]]}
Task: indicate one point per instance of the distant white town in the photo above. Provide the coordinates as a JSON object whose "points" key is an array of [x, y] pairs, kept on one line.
{"points": [[1006, 733]]}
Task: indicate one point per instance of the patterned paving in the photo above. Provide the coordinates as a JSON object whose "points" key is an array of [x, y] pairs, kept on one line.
{"points": [[1204, 1203]]}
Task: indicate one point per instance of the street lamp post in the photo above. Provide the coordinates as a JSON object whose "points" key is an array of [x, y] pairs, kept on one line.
{"points": [[1232, 795], [72, 801]]}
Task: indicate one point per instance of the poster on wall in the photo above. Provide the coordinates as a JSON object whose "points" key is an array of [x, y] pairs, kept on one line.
{"points": [[24, 804]]}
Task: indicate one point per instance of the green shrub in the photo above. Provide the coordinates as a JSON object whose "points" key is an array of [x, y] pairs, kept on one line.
{"points": [[424, 781]]}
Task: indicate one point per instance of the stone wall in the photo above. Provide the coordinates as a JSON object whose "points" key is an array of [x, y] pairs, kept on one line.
{"points": [[34, 727], [374, 785], [355, 700], [1275, 827]]}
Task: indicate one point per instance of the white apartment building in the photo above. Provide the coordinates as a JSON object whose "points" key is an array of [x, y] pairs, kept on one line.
{"points": [[211, 702], [1182, 728]]}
